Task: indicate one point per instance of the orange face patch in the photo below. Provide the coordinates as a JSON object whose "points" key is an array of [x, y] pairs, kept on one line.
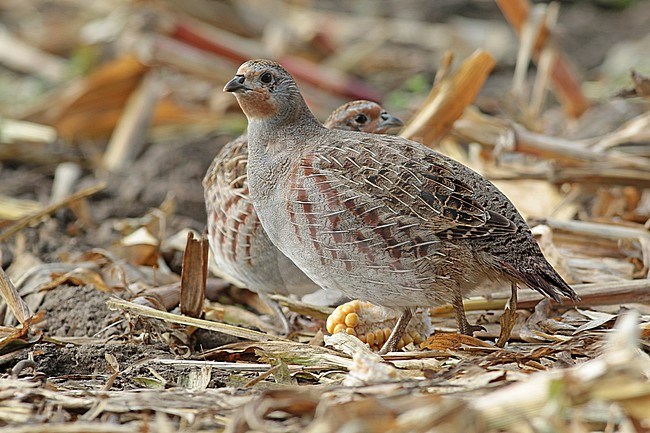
{"points": [[257, 103], [372, 112]]}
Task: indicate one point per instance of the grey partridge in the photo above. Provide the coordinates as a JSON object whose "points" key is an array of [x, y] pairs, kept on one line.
{"points": [[378, 217], [240, 247]]}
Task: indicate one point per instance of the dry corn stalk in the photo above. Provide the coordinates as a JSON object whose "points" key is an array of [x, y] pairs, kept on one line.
{"points": [[448, 98]]}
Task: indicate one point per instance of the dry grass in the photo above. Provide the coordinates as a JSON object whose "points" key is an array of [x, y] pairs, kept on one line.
{"points": [[93, 338]]}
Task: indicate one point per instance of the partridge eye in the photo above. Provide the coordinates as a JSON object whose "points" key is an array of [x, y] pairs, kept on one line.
{"points": [[361, 118], [266, 77]]}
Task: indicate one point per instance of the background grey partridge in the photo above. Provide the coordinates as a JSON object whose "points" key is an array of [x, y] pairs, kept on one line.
{"points": [[240, 247], [380, 218]]}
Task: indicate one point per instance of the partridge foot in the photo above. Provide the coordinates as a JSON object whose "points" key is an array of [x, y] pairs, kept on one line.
{"points": [[508, 318], [277, 311], [464, 326], [398, 331]]}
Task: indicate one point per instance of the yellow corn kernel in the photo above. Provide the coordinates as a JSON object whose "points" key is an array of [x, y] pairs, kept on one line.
{"points": [[362, 337], [338, 315], [351, 331], [407, 339], [370, 339], [347, 309], [379, 337], [340, 327], [352, 320], [356, 304], [329, 325]]}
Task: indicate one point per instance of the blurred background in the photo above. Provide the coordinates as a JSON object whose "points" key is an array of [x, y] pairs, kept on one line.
{"points": [[112, 110], [75, 67]]}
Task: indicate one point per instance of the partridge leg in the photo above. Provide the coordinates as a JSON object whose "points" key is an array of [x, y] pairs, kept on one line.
{"points": [[461, 319], [508, 317], [398, 331], [286, 328]]}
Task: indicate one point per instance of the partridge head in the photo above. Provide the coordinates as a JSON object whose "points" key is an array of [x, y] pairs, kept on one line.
{"points": [[361, 115]]}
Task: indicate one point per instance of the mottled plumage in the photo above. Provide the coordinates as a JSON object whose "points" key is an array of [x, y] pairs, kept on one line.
{"points": [[379, 218], [241, 248]]}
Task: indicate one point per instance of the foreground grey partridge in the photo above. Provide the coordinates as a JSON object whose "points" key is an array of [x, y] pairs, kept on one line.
{"points": [[240, 247], [378, 217]]}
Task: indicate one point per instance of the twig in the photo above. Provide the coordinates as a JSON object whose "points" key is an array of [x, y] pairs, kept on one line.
{"points": [[23, 57], [263, 376], [607, 231], [315, 311], [610, 293], [226, 366], [239, 49], [30, 219], [18, 307], [490, 131], [636, 130], [527, 40], [544, 66], [235, 331], [531, 142], [508, 318], [76, 427], [565, 79], [168, 297], [129, 133], [592, 176], [20, 131], [66, 176], [603, 176]]}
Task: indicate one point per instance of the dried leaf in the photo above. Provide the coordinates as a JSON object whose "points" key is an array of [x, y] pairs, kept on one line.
{"points": [[453, 341], [16, 305], [194, 275]]}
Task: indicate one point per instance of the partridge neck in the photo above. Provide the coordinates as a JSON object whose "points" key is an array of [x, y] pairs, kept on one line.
{"points": [[285, 129]]}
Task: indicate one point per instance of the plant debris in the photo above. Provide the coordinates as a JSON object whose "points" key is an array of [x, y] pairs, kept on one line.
{"points": [[114, 319]]}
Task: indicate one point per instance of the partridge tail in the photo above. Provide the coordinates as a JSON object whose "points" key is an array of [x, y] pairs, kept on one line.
{"points": [[548, 282], [539, 275]]}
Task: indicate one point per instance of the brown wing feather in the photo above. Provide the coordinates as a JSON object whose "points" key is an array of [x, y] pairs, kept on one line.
{"points": [[413, 182]]}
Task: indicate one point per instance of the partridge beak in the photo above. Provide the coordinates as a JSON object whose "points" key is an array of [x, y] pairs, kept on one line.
{"points": [[236, 84], [389, 121]]}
